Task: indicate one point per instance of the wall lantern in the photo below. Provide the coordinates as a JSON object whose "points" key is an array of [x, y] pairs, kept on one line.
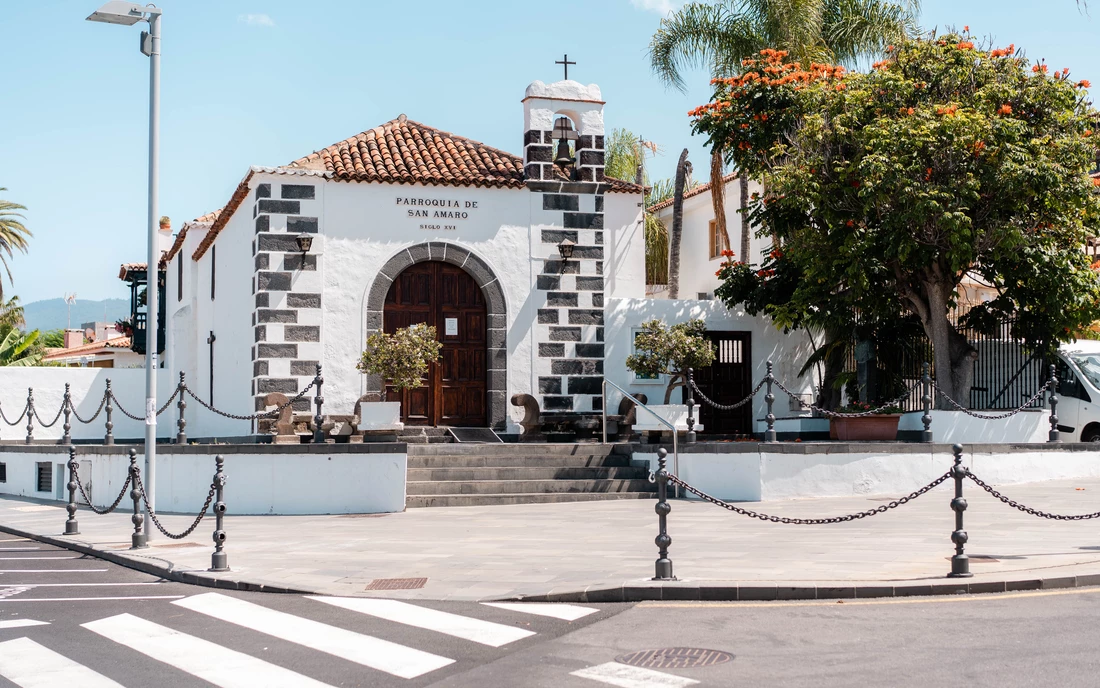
{"points": [[305, 242], [565, 249]]}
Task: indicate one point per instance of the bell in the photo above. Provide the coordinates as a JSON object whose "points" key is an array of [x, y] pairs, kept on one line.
{"points": [[562, 158]]}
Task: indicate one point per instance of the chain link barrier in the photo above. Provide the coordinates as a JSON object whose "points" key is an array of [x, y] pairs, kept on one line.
{"points": [[18, 420], [808, 521], [253, 416], [991, 416], [88, 502], [195, 524], [102, 403], [725, 407], [56, 418], [861, 414], [1027, 509]]}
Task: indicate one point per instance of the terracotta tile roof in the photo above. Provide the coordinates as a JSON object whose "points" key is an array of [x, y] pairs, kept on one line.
{"points": [[126, 268], [86, 349], [691, 193]]}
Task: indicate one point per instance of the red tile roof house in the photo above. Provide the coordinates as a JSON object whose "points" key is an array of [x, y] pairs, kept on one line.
{"points": [[410, 224]]}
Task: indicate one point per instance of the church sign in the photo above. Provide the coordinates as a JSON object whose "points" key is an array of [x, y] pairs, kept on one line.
{"points": [[436, 209]]}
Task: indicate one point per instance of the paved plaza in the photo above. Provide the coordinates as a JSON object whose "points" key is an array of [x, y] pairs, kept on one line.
{"points": [[479, 553]]}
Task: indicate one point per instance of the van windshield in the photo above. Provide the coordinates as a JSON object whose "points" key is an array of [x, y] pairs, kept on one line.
{"points": [[1089, 365]]}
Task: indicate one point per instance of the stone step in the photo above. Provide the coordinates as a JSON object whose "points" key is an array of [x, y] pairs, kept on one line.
{"points": [[488, 487], [527, 473], [417, 501], [515, 461], [515, 449]]}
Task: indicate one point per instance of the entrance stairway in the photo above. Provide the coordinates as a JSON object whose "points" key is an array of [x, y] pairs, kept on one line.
{"points": [[483, 474]]}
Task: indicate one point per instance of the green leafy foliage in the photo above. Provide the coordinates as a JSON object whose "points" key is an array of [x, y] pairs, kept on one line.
{"points": [[663, 350], [18, 349], [887, 189], [403, 357]]}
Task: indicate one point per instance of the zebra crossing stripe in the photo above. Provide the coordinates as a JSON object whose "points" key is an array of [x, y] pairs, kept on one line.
{"points": [[22, 623], [17, 549], [30, 665], [476, 630], [565, 612], [201, 658], [615, 674], [369, 651], [73, 556]]}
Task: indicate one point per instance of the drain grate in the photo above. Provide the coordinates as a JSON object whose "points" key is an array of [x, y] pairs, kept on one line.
{"points": [[675, 658], [396, 584]]}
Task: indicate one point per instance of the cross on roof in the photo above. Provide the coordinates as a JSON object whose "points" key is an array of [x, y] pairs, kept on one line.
{"points": [[565, 63]]}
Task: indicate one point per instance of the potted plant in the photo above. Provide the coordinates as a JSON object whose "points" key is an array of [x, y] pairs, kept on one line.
{"points": [[881, 426], [402, 359], [663, 350]]}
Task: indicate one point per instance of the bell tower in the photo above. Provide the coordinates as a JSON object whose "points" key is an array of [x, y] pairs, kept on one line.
{"points": [[563, 156]]}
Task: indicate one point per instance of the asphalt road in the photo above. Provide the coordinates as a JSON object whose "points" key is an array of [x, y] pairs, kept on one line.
{"points": [[69, 620]]}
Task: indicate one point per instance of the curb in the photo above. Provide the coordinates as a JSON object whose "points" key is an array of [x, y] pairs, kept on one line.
{"points": [[167, 571], [718, 591]]}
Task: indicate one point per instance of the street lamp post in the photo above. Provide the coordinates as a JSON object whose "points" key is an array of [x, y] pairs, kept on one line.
{"points": [[128, 14]]}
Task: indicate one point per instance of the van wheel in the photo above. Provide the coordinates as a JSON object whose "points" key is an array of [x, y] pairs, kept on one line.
{"points": [[1091, 434]]}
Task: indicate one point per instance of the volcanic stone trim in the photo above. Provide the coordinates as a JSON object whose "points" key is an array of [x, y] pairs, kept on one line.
{"points": [[597, 299], [548, 282], [588, 252], [565, 334], [296, 261], [556, 236], [263, 223], [589, 350], [263, 299], [302, 333], [278, 242], [495, 305], [277, 350], [263, 261], [259, 368], [582, 316], [589, 283], [274, 281], [576, 366], [551, 350], [301, 225], [549, 316], [280, 207], [583, 221], [585, 385], [561, 298], [263, 191], [287, 385], [303, 368], [303, 191], [303, 300], [561, 202], [550, 403], [266, 315], [261, 333], [549, 385], [556, 267]]}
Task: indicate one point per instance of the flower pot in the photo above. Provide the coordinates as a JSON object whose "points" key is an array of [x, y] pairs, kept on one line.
{"points": [[876, 428]]}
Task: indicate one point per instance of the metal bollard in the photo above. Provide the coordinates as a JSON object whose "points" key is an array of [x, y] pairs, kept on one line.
{"points": [[219, 560], [67, 406], [926, 402], [71, 526], [318, 433], [960, 563], [30, 415], [139, 540], [109, 438], [181, 424], [1054, 436], [688, 380], [769, 434], [663, 566]]}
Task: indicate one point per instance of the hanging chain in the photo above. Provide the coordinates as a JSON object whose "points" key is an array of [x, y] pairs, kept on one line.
{"points": [[124, 411], [992, 416], [87, 501], [1027, 509], [170, 400], [99, 410], [253, 416], [18, 420], [52, 423], [153, 515], [725, 407], [861, 414], [808, 521]]}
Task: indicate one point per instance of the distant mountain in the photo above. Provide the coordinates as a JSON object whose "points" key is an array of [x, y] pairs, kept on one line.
{"points": [[50, 314]]}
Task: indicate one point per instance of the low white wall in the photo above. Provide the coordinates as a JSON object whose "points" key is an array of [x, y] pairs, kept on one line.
{"points": [[1031, 425], [264, 482], [846, 470]]}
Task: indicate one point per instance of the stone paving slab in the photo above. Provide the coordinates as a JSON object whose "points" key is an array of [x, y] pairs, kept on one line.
{"points": [[604, 551]]}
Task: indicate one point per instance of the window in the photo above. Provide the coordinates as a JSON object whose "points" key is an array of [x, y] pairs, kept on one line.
{"points": [[179, 276], [45, 476], [213, 264], [639, 378], [3, 472], [717, 240]]}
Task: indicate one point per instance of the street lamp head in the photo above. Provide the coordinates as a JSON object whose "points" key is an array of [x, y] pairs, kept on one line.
{"points": [[305, 242], [120, 12]]}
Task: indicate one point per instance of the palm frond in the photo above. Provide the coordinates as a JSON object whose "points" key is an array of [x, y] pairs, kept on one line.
{"points": [[702, 36]]}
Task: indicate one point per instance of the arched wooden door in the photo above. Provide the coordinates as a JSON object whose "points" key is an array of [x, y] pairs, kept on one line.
{"points": [[446, 297]]}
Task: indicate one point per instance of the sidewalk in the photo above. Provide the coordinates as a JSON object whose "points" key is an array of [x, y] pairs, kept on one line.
{"points": [[560, 551]]}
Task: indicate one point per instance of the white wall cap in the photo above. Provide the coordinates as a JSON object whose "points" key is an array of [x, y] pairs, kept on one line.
{"points": [[565, 90]]}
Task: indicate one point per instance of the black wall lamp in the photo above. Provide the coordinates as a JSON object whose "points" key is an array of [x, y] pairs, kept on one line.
{"points": [[305, 242], [565, 249]]}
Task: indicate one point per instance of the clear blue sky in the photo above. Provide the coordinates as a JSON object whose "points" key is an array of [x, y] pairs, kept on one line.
{"points": [[262, 82]]}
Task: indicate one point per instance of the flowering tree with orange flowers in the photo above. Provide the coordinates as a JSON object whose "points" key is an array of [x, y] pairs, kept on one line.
{"points": [[886, 189]]}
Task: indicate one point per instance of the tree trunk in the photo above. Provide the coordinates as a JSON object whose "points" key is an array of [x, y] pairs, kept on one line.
{"points": [[674, 382], [745, 228], [829, 397], [683, 167], [718, 196], [953, 356]]}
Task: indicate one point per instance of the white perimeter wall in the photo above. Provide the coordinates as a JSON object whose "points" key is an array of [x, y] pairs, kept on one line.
{"points": [[847, 470], [338, 483]]}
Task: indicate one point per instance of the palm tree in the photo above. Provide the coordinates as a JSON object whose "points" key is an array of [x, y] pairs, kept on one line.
{"points": [[13, 235], [11, 315], [683, 169], [717, 36]]}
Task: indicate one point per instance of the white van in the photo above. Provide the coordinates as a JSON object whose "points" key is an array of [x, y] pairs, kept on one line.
{"points": [[1079, 391]]}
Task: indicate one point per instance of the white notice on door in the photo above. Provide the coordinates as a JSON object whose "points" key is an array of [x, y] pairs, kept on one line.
{"points": [[450, 327]]}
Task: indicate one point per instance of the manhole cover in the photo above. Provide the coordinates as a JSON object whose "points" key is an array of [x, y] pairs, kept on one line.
{"points": [[675, 658], [397, 584]]}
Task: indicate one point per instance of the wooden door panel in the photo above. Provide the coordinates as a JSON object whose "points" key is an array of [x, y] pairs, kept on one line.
{"points": [[726, 381], [454, 392]]}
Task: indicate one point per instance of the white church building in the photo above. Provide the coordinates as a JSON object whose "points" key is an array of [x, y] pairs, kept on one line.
{"points": [[405, 223]]}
